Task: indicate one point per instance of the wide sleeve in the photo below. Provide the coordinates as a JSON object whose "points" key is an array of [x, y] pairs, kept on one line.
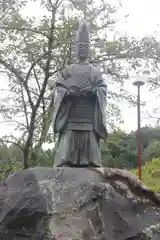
{"points": [[100, 108], [61, 106]]}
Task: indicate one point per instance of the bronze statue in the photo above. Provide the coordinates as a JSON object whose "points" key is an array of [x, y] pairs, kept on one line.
{"points": [[79, 114]]}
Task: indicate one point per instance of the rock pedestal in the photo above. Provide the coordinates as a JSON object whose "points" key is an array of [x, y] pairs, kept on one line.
{"points": [[68, 204]]}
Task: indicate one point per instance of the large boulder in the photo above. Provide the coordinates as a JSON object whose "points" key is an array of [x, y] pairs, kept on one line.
{"points": [[70, 204]]}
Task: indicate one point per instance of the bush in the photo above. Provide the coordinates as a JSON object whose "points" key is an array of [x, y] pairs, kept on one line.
{"points": [[151, 174], [8, 167]]}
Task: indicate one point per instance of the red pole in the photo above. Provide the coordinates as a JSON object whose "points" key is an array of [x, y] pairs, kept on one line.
{"points": [[139, 135]]}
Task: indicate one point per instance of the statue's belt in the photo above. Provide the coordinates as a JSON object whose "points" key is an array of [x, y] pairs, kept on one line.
{"points": [[80, 126]]}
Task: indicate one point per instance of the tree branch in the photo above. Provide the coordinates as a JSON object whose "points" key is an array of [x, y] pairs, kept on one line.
{"points": [[22, 29], [50, 43], [36, 78], [25, 108], [47, 119], [54, 72], [41, 95], [20, 78], [39, 88], [33, 64], [11, 142], [13, 121], [55, 5]]}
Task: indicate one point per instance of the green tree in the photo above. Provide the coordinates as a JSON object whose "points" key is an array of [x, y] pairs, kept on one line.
{"points": [[10, 159], [112, 150], [47, 158], [152, 151], [148, 134], [121, 150], [151, 174]]}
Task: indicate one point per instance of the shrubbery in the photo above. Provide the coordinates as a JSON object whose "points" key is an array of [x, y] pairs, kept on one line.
{"points": [[151, 174]]}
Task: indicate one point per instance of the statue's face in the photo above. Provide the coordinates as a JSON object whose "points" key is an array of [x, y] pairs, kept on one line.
{"points": [[82, 50]]}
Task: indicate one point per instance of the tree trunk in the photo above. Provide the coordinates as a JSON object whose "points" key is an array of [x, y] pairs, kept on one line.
{"points": [[25, 158]]}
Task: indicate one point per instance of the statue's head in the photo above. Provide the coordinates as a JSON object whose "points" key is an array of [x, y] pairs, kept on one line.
{"points": [[82, 41]]}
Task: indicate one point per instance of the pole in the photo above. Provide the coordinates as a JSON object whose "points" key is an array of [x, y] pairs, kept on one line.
{"points": [[139, 83], [139, 135]]}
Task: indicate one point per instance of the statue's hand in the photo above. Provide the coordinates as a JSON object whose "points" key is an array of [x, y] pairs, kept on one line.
{"points": [[72, 93], [74, 90], [69, 93]]}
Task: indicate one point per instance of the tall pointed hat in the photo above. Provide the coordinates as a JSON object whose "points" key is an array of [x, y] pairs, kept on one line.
{"points": [[82, 35]]}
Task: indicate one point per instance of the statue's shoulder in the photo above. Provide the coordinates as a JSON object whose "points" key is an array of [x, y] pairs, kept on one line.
{"points": [[67, 71], [96, 69], [69, 67], [96, 73]]}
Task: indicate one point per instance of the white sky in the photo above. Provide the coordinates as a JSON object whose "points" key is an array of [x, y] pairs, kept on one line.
{"points": [[144, 19]]}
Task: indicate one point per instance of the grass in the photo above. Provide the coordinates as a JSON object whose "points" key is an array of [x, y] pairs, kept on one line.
{"points": [[151, 174]]}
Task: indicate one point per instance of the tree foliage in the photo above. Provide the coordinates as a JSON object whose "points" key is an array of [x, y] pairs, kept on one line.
{"points": [[121, 148], [151, 174], [152, 151]]}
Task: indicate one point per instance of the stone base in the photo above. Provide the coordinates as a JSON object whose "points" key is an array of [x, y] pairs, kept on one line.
{"points": [[67, 204]]}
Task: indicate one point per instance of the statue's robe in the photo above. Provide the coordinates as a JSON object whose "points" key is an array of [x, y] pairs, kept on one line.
{"points": [[78, 143]]}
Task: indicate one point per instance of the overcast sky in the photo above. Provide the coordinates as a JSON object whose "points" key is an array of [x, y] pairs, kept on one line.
{"points": [[143, 20]]}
